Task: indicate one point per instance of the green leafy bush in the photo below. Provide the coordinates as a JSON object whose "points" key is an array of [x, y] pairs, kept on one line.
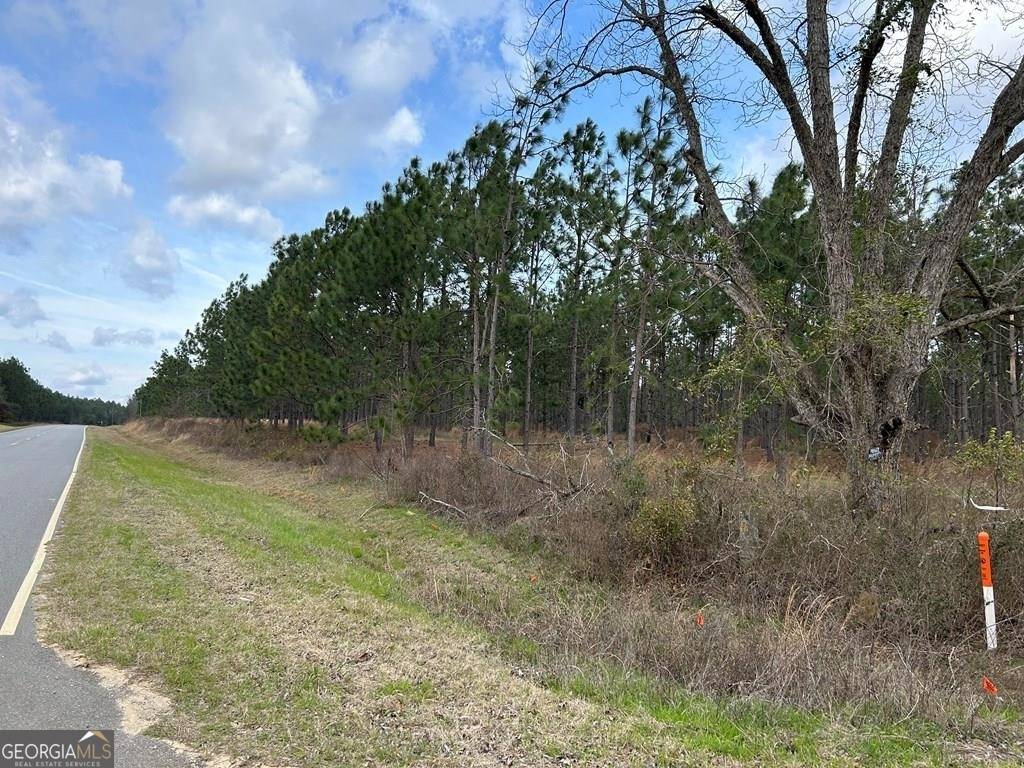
{"points": [[661, 525], [998, 460], [662, 509]]}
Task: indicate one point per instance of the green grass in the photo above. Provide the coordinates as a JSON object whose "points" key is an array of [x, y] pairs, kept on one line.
{"points": [[407, 689], [752, 731], [298, 632]]}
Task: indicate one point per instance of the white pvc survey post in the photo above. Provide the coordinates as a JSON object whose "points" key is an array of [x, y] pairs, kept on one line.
{"points": [[987, 592]]}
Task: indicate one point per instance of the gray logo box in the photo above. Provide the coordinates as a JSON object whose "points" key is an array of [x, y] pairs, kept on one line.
{"points": [[57, 749]]}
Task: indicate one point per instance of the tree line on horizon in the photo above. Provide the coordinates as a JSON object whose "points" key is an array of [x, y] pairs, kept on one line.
{"points": [[23, 399], [535, 283]]}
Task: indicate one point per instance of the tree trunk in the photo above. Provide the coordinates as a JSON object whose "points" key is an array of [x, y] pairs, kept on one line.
{"points": [[873, 484], [963, 425], [528, 389], [492, 368], [995, 374], [477, 394], [663, 392], [573, 365], [612, 374], [875, 438], [528, 384], [738, 406], [411, 372], [609, 426], [779, 443], [410, 440], [1017, 420], [442, 338], [634, 378]]}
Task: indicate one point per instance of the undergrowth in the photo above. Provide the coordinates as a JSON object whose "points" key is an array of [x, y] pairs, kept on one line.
{"points": [[728, 582]]}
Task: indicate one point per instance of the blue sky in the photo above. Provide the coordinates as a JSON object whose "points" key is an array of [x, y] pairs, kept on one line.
{"points": [[152, 150]]}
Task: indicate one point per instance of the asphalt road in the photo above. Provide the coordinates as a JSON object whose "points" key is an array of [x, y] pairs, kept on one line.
{"points": [[37, 690]]}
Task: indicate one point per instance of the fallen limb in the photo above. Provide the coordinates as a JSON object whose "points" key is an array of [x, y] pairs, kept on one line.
{"points": [[559, 493], [444, 504]]}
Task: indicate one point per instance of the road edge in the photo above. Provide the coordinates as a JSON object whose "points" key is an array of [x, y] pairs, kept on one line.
{"points": [[11, 621]]}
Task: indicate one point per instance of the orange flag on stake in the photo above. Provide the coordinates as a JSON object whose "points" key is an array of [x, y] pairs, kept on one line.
{"points": [[989, 686], [700, 618]]}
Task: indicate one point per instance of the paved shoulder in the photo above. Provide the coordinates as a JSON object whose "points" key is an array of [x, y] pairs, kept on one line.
{"points": [[38, 689], [35, 464]]}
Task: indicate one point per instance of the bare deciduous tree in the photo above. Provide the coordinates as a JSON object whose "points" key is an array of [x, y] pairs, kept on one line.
{"points": [[878, 76]]}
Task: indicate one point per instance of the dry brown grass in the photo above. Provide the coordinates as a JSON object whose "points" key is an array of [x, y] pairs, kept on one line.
{"points": [[800, 605], [268, 652]]}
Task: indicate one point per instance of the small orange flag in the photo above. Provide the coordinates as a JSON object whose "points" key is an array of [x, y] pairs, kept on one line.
{"points": [[989, 686], [700, 618]]}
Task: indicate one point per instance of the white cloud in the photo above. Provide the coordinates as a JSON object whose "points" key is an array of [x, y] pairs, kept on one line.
{"points": [[86, 376], [451, 14], [265, 100], [39, 180], [148, 265], [954, 101], [57, 340], [764, 153], [106, 337], [389, 55], [402, 131], [20, 307], [34, 17], [298, 179], [133, 32], [269, 100], [260, 102], [241, 111], [224, 209], [987, 29]]}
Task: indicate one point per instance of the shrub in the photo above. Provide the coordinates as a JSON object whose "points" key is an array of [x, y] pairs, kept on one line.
{"points": [[659, 528], [999, 460], [802, 604], [330, 434], [662, 510]]}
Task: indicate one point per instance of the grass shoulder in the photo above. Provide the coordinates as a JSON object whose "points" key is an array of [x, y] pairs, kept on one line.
{"points": [[304, 623]]}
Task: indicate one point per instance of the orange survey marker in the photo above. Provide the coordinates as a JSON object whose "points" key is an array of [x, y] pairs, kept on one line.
{"points": [[985, 558], [987, 592]]}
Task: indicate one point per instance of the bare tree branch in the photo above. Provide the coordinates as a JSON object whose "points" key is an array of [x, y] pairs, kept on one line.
{"points": [[966, 268], [870, 45], [1011, 156], [773, 68], [444, 504], [985, 164], [977, 317], [819, 69], [884, 181]]}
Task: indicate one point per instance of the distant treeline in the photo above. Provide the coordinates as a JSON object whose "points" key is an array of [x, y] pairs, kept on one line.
{"points": [[529, 285], [22, 398]]}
